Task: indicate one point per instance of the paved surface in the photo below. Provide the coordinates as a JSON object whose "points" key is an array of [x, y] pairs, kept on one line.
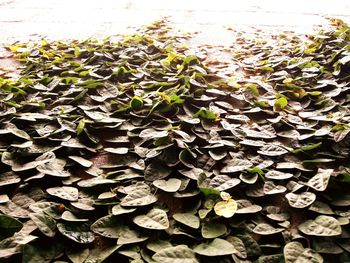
{"points": [[62, 19]]}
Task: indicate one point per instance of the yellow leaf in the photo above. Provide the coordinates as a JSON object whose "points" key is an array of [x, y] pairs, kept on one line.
{"points": [[288, 80], [225, 196], [164, 96], [226, 208]]}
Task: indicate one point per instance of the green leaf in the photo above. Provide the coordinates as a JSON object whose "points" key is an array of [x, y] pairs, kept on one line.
{"points": [[108, 226], [77, 233], [136, 103], [9, 226], [128, 236], [158, 245], [206, 114], [308, 147], [157, 171], [81, 126], [46, 224], [253, 249], [209, 191], [177, 254], [321, 226], [213, 230], [132, 252], [238, 245], [217, 247], [40, 252], [155, 219], [100, 254], [281, 103], [326, 247], [78, 255], [187, 219]]}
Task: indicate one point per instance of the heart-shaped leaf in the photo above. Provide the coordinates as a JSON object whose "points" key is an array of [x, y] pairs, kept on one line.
{"points": [[272, 150], [64, 192], [77, 255], [118, 210], [226, 208], [129, 236], [236, 165], [79, 234], [156, 171], [270, 188], [9, 225], [266, 229], [82, 161], [213, 230], [155, 219], [108, 226], [187, 219], [41, 252], [70, 217], [246, 207], [301, 200], [180, 253], [277, 175], [217, 247], [171, 185], [224, 182], [238, 245], [294, 252], [9, 178], [45, 223], [319, 182], [152, 133], [140, 197], [4, 199], [321, 226]]}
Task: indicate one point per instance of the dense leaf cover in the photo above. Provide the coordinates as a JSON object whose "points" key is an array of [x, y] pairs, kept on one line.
{"points": [[134, 150]]}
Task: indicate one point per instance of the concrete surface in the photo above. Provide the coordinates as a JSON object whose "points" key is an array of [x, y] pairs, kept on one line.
{"points": [[67, 19]]}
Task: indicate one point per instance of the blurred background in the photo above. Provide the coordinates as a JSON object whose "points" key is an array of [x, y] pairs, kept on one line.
{"points": [[61, 19]]}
